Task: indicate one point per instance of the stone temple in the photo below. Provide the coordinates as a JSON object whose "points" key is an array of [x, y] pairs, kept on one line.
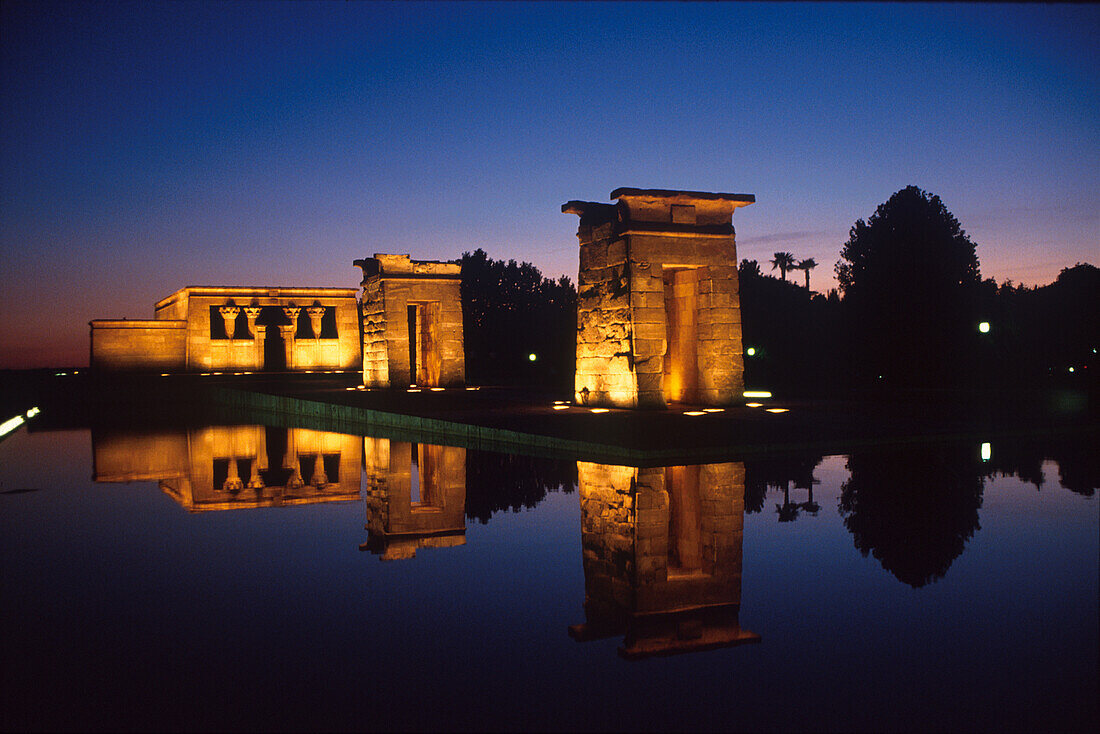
{"points": [[235, 328], [412, 322], [658, 316]]}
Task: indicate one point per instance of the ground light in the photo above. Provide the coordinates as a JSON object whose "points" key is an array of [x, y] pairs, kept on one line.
{"points": [[778, 410], [756, 394], [598, 410], [561, 407], [694, 412], [14, 422], [753, 405]]}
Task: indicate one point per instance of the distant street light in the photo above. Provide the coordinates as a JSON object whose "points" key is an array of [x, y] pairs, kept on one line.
{"points": [[532, 356], [984, 327], [750, 351]]}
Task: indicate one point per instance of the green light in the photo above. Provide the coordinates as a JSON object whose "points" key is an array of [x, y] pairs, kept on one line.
{"points": [[750, 351], [532, 356], [984, 327]]}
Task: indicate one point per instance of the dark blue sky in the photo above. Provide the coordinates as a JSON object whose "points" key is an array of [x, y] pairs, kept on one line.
{"points": [[146, 147]]}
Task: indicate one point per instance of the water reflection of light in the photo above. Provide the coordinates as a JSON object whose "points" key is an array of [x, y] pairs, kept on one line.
{"points": [[756, 394], [987, 451]]}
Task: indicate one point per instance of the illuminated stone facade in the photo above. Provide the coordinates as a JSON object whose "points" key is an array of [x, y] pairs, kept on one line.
{"points": [[204, 329], [662, 556], [658, 316], [412, 322], [234, 467], [416, 497]]}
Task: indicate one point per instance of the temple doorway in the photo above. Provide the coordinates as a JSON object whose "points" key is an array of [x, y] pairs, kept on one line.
{"points": [[270, 319], [425, 359], [681, 364]]}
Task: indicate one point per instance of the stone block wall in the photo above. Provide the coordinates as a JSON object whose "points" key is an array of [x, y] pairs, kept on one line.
{"points": [[393, 283], [658, 316], [136, 346]]}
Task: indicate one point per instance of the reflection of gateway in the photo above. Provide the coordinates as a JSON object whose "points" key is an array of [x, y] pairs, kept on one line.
{"points": [[662, 556], [230, 467], [416, 497]]}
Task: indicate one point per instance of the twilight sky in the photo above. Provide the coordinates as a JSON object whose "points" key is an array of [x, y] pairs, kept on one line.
{"points": [[146, 147]]}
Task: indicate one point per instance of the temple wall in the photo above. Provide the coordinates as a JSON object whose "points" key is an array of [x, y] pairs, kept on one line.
{"points": [[138, 345]]}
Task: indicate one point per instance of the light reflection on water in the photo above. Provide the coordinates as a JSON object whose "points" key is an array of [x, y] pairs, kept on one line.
{"points": [[892, 588]]}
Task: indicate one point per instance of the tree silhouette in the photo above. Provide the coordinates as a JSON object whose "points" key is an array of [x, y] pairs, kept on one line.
{"points": [[806, 266], [511, 311], [784, 261], [910, 280]]}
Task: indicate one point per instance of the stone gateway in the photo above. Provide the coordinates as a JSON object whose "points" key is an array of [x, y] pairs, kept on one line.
{"points": [[658, 313]]}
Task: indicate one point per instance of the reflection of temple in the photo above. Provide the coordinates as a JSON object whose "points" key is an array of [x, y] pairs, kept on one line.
{"points": [[235, 328], [662, 556], [416, 497], [230, 467]]}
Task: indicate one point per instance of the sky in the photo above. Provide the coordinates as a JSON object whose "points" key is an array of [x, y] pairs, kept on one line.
{"points": [[145, 147]]}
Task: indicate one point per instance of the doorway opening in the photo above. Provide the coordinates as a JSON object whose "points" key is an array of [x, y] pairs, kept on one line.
{"points": [[425, 359], [685, 516], [681, 364]]}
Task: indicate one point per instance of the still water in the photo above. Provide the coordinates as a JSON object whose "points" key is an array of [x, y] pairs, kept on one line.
{"points": [[249, 577]]}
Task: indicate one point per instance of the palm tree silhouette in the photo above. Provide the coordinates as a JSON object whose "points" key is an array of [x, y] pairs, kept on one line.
{"points": [[784, 261], [806, 266]]}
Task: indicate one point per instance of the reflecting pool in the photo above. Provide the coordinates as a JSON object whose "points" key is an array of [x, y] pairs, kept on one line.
{"points": [[262, 577]]}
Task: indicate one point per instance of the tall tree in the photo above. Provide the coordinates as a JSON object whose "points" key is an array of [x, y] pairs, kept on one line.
{"points": [[806, 266], [910, 280], [510, 311], [784, 261]]}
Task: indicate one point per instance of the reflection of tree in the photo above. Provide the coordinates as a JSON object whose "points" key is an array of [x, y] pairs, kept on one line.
{"points": [[497, 482], [1078, 465], [913, 508], [782, 474]]}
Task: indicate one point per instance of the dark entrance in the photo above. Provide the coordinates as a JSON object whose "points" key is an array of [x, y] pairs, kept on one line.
{"points": [[413, 334], [270, 319]]}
